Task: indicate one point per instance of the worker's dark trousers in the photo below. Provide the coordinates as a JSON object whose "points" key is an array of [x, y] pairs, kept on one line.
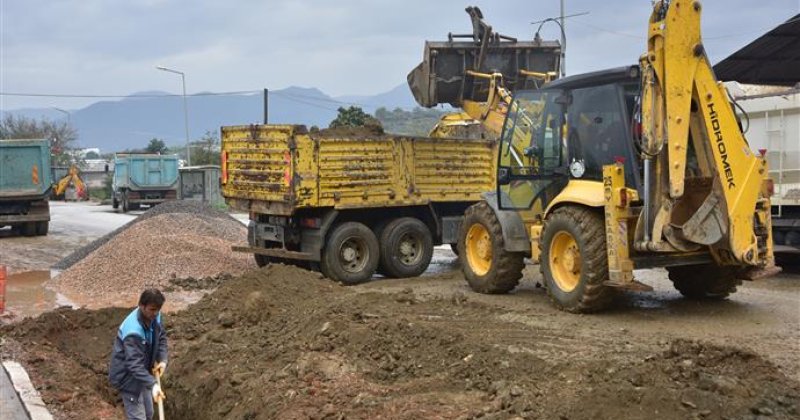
{"points": [[138, 407]]}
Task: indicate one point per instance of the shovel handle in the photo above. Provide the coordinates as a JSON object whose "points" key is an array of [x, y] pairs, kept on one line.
{"points": [[160, 400]]}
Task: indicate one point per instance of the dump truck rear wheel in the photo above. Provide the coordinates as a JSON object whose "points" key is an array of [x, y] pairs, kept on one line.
{"points": [[261, 260], [42, 228], [114, 203], [487, 266], [351, 253], [406, 246], [574, 263], [29, 229], [704, 281]]}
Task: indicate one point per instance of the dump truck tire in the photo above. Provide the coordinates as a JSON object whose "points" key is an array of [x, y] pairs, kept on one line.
{"points": [[29, 229], [351, 253], [487, 266], [704, 281], [406, 247], [42, 228], [261, 260], [114, 203], [574, 263]]}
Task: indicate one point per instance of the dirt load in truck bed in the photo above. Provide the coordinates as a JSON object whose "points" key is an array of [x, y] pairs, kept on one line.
{"points": [[281, 342]]}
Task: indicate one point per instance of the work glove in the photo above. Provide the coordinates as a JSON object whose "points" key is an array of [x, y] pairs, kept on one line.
{"points": [[159, 368], [158, 394]]}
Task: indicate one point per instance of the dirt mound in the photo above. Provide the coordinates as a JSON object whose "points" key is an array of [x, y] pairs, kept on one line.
{"points": [[281, 342], [349, 132], [152, 252], [177, 206]]}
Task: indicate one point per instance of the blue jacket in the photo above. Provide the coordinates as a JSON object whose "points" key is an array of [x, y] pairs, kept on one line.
{"points": [[136, 350]]}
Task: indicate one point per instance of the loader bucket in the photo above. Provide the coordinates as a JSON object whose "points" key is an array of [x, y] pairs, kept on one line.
{"points": [[442, 76]]}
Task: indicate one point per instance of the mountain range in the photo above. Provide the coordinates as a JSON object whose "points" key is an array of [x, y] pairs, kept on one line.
{"points": [[131, 122]]}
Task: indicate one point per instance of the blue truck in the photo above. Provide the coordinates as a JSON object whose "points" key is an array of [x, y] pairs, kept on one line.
{"points": [[25, 185], [144, 179]]}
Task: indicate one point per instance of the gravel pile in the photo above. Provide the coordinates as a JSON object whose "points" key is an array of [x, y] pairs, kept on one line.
{"points": [[151, 252], [168, 207]]}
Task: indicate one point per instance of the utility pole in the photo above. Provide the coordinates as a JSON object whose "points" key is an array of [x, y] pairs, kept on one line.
{"points": [[266, 106], [563, 43]]}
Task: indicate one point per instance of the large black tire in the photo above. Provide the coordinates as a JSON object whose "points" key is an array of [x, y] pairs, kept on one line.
{"points": [[351, 253], [114, 203], [704, 281], [29, 229], [487, 266], [406, 247], [261, 260], [587, 255], [42, 228], [125, 206]]}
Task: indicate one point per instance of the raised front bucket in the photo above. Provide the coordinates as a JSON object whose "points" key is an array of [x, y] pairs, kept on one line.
{"points": [[442, 76]]}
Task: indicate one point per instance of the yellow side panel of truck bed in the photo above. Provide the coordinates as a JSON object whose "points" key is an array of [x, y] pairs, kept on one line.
{"points": [[276, 169]]}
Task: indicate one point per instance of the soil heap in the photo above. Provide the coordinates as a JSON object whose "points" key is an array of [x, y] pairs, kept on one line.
{"points": [[281, 342], [181, 240]]}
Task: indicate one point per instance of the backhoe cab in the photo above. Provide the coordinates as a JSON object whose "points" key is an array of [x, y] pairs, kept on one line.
{"points": [[636, 167]]}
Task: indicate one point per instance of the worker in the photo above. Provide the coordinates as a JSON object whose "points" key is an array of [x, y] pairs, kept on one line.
{"points": [[140, 351]]}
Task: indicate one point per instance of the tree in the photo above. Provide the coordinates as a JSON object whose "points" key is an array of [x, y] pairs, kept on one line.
{"points": [[417, 122], [156, 146], [354, 117], [206, 151], [60, 134]]}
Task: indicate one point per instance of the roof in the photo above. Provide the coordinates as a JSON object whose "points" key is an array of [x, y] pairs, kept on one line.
{"points": [[772, 59], [596, 78]]}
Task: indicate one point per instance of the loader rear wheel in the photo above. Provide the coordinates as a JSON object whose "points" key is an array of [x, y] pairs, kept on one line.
{"points": [[351, 253], [574, 263], [704, 281], [487, 266], [406, 248]]}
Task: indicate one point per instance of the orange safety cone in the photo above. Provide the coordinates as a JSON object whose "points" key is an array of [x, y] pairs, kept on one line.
{"points": [[2, 288]]}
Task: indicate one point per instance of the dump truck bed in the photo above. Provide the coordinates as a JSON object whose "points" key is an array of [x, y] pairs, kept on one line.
{"points": [[278, 169], [24, 168]]}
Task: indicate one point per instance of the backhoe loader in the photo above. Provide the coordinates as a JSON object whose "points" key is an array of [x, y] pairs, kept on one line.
{"points": [[71, 180], [635, 167]]}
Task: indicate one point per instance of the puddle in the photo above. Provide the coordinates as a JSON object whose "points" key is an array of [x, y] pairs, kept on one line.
{"points": [[27, 294]]}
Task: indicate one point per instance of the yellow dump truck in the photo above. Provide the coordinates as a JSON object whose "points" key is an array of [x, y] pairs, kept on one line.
{"points": [[351, 203]]}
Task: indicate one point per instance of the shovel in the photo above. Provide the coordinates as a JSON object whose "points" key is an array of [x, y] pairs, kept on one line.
{"points": [[160, 400]]}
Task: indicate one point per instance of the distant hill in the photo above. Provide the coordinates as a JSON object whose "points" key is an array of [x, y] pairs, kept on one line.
{"points": [[131, 122]]}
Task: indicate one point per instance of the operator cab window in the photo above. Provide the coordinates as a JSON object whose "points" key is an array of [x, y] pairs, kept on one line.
{"points": [[598, 128]]}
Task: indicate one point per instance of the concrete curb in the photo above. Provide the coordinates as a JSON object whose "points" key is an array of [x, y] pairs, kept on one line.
{"points": [[32, 402]]}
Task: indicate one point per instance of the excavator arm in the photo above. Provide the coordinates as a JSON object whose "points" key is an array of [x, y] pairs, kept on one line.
{"points": [[703, 184], [72, 178]]}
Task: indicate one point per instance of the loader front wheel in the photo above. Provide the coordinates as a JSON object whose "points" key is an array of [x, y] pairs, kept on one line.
{"points": [[351, 253], [704, 281], [487, 266], [574, 263]]}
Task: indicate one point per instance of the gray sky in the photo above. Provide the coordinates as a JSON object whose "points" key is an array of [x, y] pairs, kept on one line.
{"points": [[111, 47]]}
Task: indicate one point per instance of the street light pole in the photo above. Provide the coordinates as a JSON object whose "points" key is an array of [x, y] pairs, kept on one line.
{"points": [[69, 114], [185, 111]]}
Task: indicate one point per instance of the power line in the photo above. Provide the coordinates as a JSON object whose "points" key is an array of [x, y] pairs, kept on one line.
{"points": [[291, 96], [165, 95]]}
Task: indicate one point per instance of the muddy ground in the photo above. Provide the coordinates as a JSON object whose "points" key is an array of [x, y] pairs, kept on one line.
{"points": [[281, 342]]}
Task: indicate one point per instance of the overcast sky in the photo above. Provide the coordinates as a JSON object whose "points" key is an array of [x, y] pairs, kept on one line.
{"points": [[111, 47]]}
